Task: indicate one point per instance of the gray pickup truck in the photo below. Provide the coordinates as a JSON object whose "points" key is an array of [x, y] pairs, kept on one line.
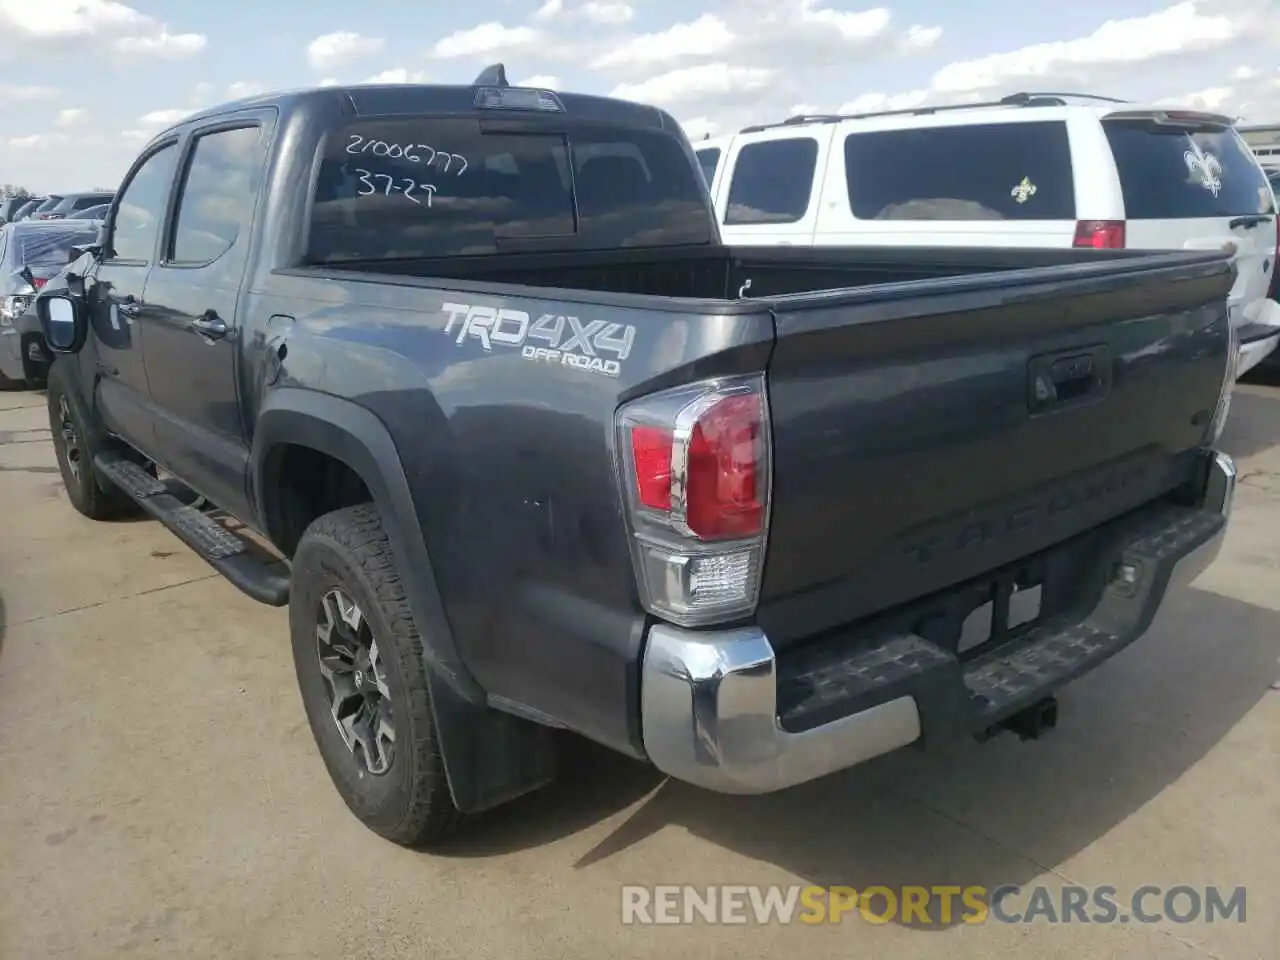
{"points": [[532, 450]]}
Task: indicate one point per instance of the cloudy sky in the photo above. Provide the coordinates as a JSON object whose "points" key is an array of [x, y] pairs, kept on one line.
{"points": [[84, 82]]}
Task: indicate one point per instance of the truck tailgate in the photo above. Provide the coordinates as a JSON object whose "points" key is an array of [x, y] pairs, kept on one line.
{"points": [[929, 433]]}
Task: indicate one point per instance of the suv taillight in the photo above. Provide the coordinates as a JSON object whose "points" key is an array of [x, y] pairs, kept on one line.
{"points": [[696, 468], [1100, 234]]}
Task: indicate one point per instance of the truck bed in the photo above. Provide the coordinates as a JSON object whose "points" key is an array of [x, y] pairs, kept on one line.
{"points": [[718, 273]]}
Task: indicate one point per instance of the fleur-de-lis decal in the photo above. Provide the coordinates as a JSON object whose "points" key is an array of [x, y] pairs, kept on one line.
{"points": [[1024, 191], [1205, 167]]}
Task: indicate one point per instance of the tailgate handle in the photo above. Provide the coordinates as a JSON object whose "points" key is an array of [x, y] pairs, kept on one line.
{"points": [[1068, 378]]}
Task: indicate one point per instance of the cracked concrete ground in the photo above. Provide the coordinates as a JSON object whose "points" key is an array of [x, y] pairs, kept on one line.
{"points": [[160, 795]]}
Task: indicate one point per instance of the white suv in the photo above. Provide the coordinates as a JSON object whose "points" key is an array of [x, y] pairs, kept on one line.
{"points": [[1031, 170]]}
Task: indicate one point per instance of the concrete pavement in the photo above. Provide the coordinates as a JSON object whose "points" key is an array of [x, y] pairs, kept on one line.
{"points": [[160, 794]]}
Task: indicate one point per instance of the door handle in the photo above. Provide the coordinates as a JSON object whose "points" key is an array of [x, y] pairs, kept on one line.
{"points": [[1068, 378], [210, 326]]}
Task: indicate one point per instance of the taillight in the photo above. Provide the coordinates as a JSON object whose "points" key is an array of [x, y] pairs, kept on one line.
{"points": [[696, 465], [1099, 234], [39, 282]]}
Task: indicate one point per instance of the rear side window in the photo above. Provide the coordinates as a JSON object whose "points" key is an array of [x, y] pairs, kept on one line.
{"points": [[218, 192], [421, 188], [708, 160], [1170, 173], [772, 181], [989, 171]]}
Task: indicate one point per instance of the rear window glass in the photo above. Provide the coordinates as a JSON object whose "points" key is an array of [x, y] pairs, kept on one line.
{"points": [[989, 171], [1168, 173], [708, 160], [772, 181], [418, 188], [47, 246]]}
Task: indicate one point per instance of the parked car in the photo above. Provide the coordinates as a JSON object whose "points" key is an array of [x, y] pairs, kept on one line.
{"points": [[9, 206], [98, 213], [45, 207], [25, 210], [73, 205], [31, 252], [1031, 170], [539, 452]]}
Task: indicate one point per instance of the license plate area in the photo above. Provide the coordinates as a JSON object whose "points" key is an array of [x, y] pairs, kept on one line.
{"points": [[1008, 606]]}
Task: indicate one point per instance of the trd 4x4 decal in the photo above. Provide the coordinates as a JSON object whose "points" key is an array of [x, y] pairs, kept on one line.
{"points": [[596, 346]]}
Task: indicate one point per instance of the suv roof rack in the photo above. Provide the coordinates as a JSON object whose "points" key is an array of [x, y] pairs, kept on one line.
{"points": [[1012, 100]]}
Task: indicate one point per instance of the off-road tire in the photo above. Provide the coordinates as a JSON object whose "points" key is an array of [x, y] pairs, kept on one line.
{"points": [[88, 493], [410, 804]]}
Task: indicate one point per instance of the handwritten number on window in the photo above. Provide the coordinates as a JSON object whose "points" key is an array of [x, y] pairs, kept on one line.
{"points": [[386, 184], [423, 153]]}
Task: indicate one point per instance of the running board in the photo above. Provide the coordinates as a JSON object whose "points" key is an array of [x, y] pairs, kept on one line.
{"points": [[227, 553]]}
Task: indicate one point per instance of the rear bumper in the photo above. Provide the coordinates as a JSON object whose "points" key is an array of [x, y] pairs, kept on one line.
{"points": [[710, 700]]}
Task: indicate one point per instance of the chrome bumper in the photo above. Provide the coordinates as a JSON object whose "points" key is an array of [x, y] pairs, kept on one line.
{"points": [[709, 700]]}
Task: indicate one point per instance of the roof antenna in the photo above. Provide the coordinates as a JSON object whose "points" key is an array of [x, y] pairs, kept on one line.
{"points": [[494, 75]]}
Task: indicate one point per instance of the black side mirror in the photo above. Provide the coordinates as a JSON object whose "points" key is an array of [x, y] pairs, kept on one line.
{"points": [[63, 321]]}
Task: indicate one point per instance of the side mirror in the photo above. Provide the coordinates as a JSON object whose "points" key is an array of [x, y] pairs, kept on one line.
{"points": [[64, 323]]}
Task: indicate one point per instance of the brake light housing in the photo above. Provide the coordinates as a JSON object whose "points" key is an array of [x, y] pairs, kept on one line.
{"points": [[1100, 234], [696, 470]]}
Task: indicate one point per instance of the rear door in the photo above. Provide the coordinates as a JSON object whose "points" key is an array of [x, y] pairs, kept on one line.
{"points": [[1190, 182], [766, 191], [998, 179]]}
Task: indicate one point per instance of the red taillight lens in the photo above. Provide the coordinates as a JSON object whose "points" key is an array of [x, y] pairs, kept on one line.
{"points": [[39, 282], [722, 497], [651, 457], [1100, 234]]}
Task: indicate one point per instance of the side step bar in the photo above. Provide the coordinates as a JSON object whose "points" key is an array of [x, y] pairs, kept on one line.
{"points": [[220, 548]]}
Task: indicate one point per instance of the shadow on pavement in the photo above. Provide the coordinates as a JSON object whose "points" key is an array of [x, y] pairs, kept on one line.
{"points": [[1253, 423], [925, 818]]}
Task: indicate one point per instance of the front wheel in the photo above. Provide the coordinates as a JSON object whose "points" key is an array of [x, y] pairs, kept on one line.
{"points": [[76, 441], [358, 658]]}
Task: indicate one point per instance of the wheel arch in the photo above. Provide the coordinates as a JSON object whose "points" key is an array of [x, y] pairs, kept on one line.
{"points": [[489, 756]]}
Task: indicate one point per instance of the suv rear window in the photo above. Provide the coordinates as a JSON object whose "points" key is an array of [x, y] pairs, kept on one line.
{"points": [[988, 171], [412, 188], [772, 181], [708, 160], [1171, 173]]}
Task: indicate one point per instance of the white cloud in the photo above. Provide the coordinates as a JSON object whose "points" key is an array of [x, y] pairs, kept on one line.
{"points": [[705, 37], [69, 18], [11, 93], [921, 38], [163, 45], [164, 118], [608, 12], [486, 40], [1174, 30], [134, 33], [719, 80], [697, 128], [334, 49], [549, 10], [398, 75], [68, 117], [542, 81], [243, 88]]}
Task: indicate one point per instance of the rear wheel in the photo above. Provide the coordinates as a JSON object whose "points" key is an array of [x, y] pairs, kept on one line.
{"points": [[76, 441], [358, 658]]}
